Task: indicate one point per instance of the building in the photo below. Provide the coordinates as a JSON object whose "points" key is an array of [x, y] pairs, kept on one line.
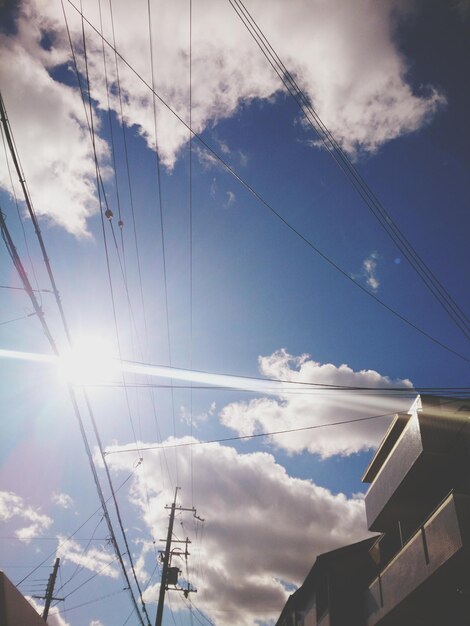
{"points": [[333, 591], [419, 499], [417, 571], [15, 610]]}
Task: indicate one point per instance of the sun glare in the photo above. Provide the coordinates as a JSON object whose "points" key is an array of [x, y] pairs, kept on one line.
{"points": [[90, 362]]}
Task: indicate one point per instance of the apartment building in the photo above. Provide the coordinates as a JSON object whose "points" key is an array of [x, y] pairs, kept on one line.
{"points": [[333, 591], [416, 572]]}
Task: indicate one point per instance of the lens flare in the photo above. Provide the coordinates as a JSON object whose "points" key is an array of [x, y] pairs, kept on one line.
{"points": [[91, 361]]}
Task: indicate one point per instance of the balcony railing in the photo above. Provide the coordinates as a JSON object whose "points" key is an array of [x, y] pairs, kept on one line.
{"points": [[435, 545], [404, 454]]}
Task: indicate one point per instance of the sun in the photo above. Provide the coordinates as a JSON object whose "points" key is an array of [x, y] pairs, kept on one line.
{"points": [[92, 361]]}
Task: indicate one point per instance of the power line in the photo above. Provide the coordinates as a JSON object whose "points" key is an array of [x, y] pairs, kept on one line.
{"points": [[51, 539], [131, 200], [90, 578], [18, 212], [123, 271], [124, 276], [281, 380], [100, 188], [19, 267], [32, 214], [187, 444], [99, 599], [267, 205], [425, 273], [17, 319], [201, 613], [316, 390], [191, 234], [79, 567], [113, 149], [11, 249], [23, 289], [125, 384], [102, 195], [95, 429], [162, 230], [41, 564], [275, 386]]}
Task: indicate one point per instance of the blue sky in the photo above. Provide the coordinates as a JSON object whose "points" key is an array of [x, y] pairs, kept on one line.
{"points": [[244, 294]]}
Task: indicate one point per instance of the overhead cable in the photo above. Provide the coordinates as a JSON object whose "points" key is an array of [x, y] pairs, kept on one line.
{"points": [[79, 606], [122, 264], [23, 289], [437, 289], [72, 535], [162, 229], [188, 444], [22, 274], [95, 428], [18, 212], [17, 319], [301, 383], [369, 391], [267, 205], [134, 225]]}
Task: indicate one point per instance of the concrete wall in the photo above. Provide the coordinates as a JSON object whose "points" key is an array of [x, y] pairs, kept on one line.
{"points": [[15, 610]]}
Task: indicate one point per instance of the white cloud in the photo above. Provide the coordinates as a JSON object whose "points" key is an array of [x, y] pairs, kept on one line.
{"points": [[96, 622], [293, 411], [213, 188], [62, 500], [263, 527], [208, 161], [224, 147], [12, 505], [369, 271], [234, 157], [54, 618], [196, 418], [146, 547], [48, 123], [343, 54], [230, 198], [96, 560]]}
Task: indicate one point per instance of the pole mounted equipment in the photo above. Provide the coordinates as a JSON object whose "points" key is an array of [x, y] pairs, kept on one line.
{"points": [[170, 573]]}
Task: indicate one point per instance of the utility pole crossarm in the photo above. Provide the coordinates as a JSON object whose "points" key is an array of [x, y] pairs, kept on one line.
{"points": [[181, 508]]}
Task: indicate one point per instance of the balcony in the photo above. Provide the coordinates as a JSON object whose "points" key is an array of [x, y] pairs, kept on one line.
{"points": [[421, 454], [427, 572]]}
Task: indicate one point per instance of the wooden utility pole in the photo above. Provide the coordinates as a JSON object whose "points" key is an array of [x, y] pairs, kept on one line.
{"points": [[167, 557]]}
